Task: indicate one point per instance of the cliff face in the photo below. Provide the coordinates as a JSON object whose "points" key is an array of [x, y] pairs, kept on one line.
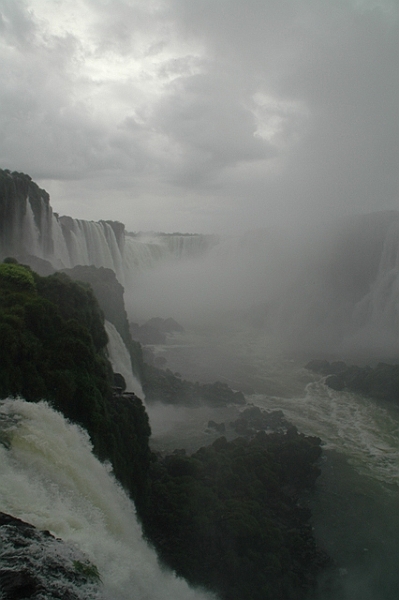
{"points": [[31, 232], [53, 342], [109, 293], [23, 205]]}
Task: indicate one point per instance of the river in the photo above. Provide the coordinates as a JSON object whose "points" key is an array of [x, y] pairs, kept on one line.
{"points": [[356, 501]]}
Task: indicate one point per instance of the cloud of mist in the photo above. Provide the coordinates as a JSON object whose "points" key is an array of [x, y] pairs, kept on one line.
{"points": [[331, 292], [232, 278]]}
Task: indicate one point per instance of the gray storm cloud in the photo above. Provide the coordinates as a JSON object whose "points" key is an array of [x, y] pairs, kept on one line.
{"points": [[202, 116]]}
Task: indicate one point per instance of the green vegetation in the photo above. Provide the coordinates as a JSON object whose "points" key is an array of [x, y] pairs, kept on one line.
{"points": [[109, 294], [88, 570], [228, 516], [53, 348], [17, 275], [158, 384]]}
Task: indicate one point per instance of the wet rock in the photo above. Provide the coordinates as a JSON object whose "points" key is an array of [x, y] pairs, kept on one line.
{"points": [[36, 565]]}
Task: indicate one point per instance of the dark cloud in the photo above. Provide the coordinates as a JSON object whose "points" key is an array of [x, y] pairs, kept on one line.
{"points": [[203, 114], [212, 129]]}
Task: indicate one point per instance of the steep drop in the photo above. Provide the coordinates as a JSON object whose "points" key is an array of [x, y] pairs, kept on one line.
{"points": [[120, 360], [50, 478]]}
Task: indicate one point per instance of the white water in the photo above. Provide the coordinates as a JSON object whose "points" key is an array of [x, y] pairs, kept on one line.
{"points": [[66, 242], [50, 478], [120, 359], [367, 434], [355, 507], [344, 301], [323, 295], [376, 316]]}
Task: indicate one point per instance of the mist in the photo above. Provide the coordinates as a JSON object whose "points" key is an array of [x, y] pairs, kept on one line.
{"points": [[201, 116], [229, 279], [330, 290], [254, 306]]}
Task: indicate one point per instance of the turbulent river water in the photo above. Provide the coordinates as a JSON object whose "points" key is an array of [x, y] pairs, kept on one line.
{"points": [[50, 478], [356, 502]]}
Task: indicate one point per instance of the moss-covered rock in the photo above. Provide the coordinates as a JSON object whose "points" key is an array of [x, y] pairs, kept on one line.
{"points": [[164, 386], [36, 565]]}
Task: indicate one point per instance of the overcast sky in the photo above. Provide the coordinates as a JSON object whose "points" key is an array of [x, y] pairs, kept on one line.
{"points": [[203, 115]]}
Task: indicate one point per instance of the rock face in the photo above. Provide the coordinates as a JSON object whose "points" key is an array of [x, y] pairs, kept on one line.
{"points": [[109, 294], [228, 517], [36, 565], [16, 213], [54, 349], [253, 420]]}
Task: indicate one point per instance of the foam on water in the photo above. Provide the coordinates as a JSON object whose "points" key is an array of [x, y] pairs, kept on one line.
{"points": [[50, 478], [365, 432]]}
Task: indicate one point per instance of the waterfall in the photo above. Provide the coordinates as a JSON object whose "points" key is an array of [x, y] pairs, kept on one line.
{"points": [[50, 478], [376, 315], [66, 242], [188, 246], [120, 359], [340, 294]]}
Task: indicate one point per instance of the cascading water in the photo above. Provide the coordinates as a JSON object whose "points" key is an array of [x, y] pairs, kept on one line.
{"points": [[376, 315], [120, 359], [345, 300], [344, 295], [30, 227], [50, 478]]}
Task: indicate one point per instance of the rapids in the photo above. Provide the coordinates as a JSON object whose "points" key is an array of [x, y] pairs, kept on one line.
{"points": [[355, 504], [50, 478]]}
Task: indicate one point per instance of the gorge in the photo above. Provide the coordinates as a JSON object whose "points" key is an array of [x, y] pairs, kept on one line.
{"points": [[254, 311]]}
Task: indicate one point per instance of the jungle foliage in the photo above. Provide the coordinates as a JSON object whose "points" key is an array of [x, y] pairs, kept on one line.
{"points": [[53, 347], [109, 294], [165, 386], [228, 516]]}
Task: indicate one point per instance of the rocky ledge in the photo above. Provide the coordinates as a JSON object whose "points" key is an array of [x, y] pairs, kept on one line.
{"points": [[36, 565]]}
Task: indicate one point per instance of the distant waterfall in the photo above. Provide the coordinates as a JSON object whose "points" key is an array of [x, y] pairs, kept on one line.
{"points": [[340, 294], [50, 478], [102, 244], [376, 315], [120, 360]]}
